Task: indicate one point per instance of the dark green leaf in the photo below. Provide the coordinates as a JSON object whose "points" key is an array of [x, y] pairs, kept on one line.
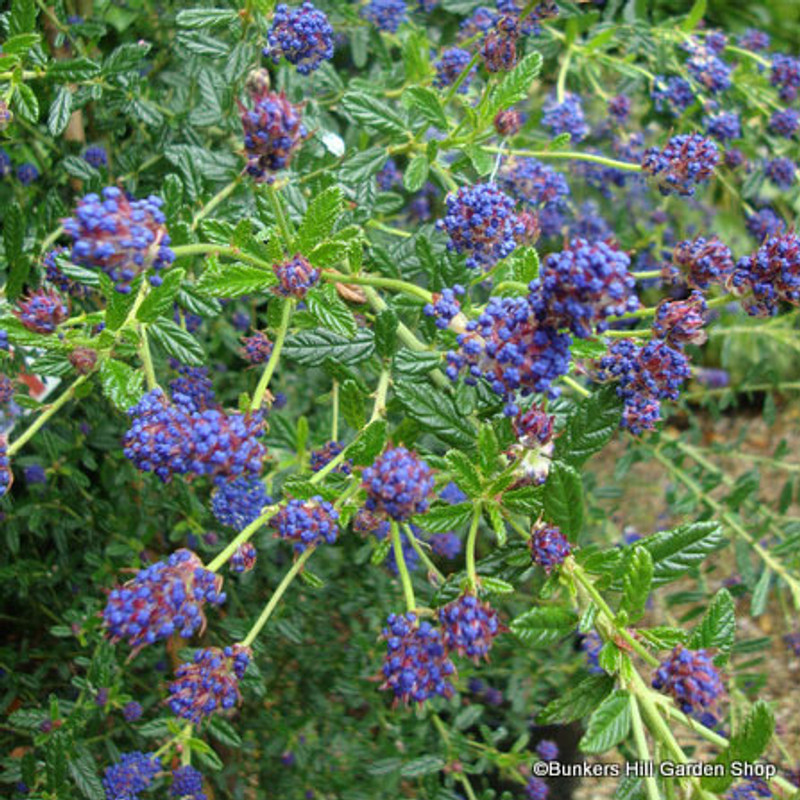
{"points": [[590, 425], [320, 219], [363, 165], [563, 499], [675, 552], [413, 362], [386, 333], [204, 17], [26, 104], [121, 384], [416, 174], [516, 85], [427, 103], [235, 280], [718, 626], [330, 311], [311, 348], [373, 113], [609, 724], [83, 770], [161, 298], [464, 472], [436, 412], [60, 111], [72, 70], [544, 625], [424, 765], [637, 581], [178, 343], [370, 442], [577, 701], [444, 518]]}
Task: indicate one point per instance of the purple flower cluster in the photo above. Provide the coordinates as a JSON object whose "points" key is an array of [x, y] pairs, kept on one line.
{"points": [[399, 484], [785, 123], [534, 183], [416, 667], [646, 376], [132, 774], [295, 277], [619, 107], [132, 711], [163, 599], [244, 559], [705, 261], [549, 546], [709, 70], [445, 545], [192, 388], [121, 236], [480, 221], [55, 276], [3, 339], [752, 790], [303, 36], [322, 456], [480, 21], [680, 322], [6, 389], [452, 63], [469, 626], [592, 644], [96, 157], [240, 501], [508, 122], [6, 476], [765, 223], [547, 750], [187, 784], [27, 174], [686, 160], [565, 116], [785, 75], [386, 15], [770, 275], [273, 132], [499, 47], [533, 449], [42, 311], [690, 677], [445, 306], [536, 789], [256, 348], [389, 176], [583, 285], [754, 40], [673, 94], [781, 172], [210, 683], [307, 523], [723, 126]]}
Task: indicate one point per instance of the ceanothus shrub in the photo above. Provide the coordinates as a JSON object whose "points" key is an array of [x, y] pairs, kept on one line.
{"points": [[312, 317]]}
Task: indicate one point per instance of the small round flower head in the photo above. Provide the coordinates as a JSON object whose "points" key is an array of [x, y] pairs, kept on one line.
{"points": [[549, 546], [469, 626], [445, 306], [419, 208], [534, 427], [646, 376], [765, 223], [499, 47], [244, 559], [42, 311], [480, 21], [687, 160], [712, 378], [781, 172], [132, 711], [752, 790], [734, 158], [386, 15], [132, 774], [322, 456], [446, 545], [583, 285], [536, 789], [4, 339], [306, 523], [295, 277], [508, 122], [187, 784], [6, 476], [785, 75], [398, 484], [785, 123], [704, 261], [591, 644], [716, 42], [769, 276], [240, 320], [191, 322], [163, 599], [534, 183], [101, 698], [209, 684], [691, 678], [452, 494], [96, 157], [723, 126], [619, 107], [533, 450], [679, 322], [55, 276], [511, 349], [6, 389], [35, 474], [121, 236], [273, 132], [709, 70], [240, 501], [673, 94], [416, 667], [389, 177], [547, 750], [192, 390], [480, 222], [547, 9], [27, 174], [565, 117], [256, 348], [452, 63], [754, 40], [303, 36]]}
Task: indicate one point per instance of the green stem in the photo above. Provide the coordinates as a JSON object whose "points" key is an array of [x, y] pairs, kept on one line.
{"points": [[739, 51], [335, 411], [472, 540], [573, 384], [569, 155], [205, 248], [402, 569], [562, 75], [274, 357], [462, 77], [380, 226], [215, 201], [52, 238], [639, 333], [423, 555], [283, 223], [377, 280], [647, 274], [648, 312], [147, 359], [643, 751], [276, 597], [241, 538], [379, 407]]}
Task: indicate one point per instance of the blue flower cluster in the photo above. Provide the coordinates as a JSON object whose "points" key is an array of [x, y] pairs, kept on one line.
{"points": [[445, 307], [256, 348], [709, 70], [547, 750], [619, 107], [27, 174], [723, 126], [535, 184], [672, 94], [752, 790], [690, 677], [6, 389], [55, 276], [389, 176], [785, 75], [480, 21], [469, 626], [704, 261], [446, 545], [754, 40], [132, 774], [416, 667], [536, 789], [480, 221], [565, 116], [785, 123], [273, 132], [533, 450], [591, 644], [781, 172], [452, 63], [121, 236], [42, 311], [187, 784], [499, 47], [295, 277], [3, 339], [6, 476], [764, 223], [646, 376], [549, 546], [322, 456], [163, 599], [386, 15], [132, 711], [303, 36], [686, 160], [193, 388], [244, 559], [240, 501], [209, 684], [680, 322], [508, 122], [307, 523], [96, 157], [398, 484]]}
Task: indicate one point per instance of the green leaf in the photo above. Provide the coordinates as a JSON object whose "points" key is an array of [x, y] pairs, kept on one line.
{"points": [[637, 581], [73, 70], [60, 111], [352, 404], [481, 160], [436, 412], [161, 298], [464, 472], [204, 17], [496, 585], [369, 443], [363, 165], [381, 551], [525, 264], [488, 449], [330, 311], [311, 348], [386, 333], [590, 425], [498, 523], [78, 168], [25, 103], [427, 103], [373, 113], [577, 701], [83, 770], [424, 765], [444, 518], [320, 219], [416, 174], [223, 731], [760, 593], [413, 362], [528, 500], [235, 280], [178, 343], [544, 625], [23, 17], [13, 233], [609, 724], [563, 499], [718, 626], [516, 85], [695, 15], [121, 384]]}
